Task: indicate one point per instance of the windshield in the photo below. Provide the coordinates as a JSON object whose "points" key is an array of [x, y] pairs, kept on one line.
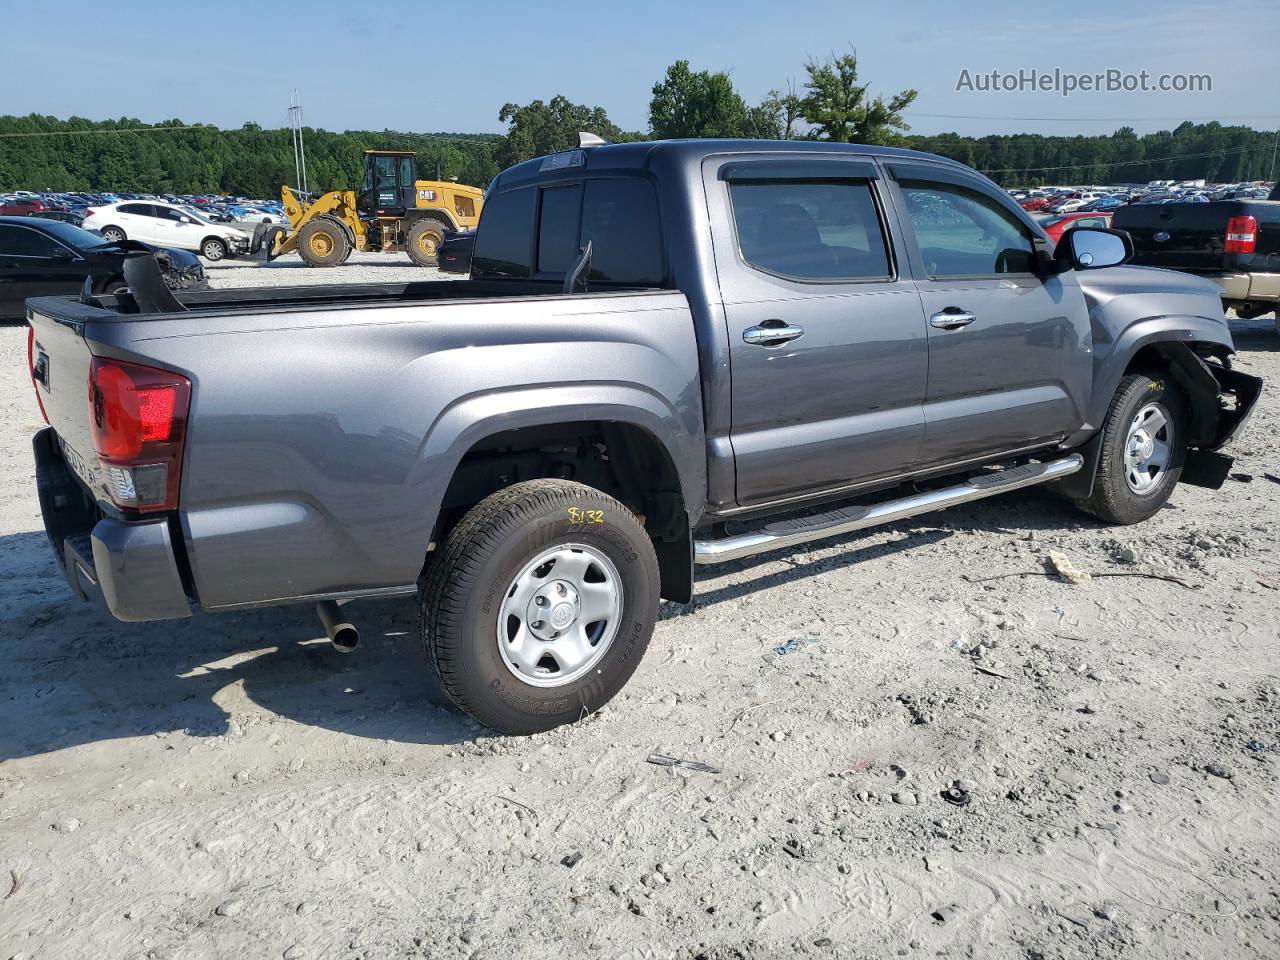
{"points": [[196, 215]]}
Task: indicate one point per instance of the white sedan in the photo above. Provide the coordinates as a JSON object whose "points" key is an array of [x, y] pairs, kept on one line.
{"points": [[166, 225]]}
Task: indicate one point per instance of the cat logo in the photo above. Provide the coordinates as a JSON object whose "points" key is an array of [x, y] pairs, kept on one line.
{"points": [[428, 195]]}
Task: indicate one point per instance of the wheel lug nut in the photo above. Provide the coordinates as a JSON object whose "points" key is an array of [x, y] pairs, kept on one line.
{"points": [[537, 624], [560, 589], [540, 601]]}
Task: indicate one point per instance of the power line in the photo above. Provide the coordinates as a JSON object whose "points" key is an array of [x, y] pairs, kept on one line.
{"points": [[967, 116], [1125, 163], [76, 133]]}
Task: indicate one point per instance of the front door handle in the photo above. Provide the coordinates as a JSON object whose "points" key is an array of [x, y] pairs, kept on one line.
{"points": [[952, 318], [772, 333]]}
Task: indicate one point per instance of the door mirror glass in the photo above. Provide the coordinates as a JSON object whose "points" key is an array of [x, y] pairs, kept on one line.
{"points": [[60, 255], [1091, 248]]}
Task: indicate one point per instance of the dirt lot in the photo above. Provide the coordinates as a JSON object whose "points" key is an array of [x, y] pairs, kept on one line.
{"points": [[231, 787]]}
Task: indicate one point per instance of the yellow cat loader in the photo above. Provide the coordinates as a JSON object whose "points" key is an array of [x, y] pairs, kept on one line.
{"points": [[392, 211]]}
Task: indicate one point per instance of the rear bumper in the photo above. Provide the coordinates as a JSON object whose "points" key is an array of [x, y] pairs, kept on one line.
{"points": [[1247, 286], [129, 565]]}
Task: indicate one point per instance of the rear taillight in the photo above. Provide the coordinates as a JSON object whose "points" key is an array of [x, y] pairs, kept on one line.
{"points": [[1242, 235], [139, 419], [31, 370], [89, 212]]}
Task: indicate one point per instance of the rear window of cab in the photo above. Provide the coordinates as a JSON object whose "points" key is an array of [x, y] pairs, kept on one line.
{"points": [[535, 232]]}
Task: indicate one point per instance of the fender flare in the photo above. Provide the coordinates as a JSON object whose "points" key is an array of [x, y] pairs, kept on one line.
{"points": [[414, 214]]}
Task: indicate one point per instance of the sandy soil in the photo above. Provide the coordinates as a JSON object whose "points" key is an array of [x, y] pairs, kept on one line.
{"points": [[231, 787]]}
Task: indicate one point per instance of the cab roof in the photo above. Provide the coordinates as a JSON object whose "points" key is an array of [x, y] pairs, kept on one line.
{"points": [[643, 155]]}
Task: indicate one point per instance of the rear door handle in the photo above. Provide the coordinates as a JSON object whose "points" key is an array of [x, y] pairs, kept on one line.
{"points": [[772, 333], [952, 318]]}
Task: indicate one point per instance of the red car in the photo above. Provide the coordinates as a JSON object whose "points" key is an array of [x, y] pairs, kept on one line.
{"points": [[21, 207], [1032, 204], [1055, 227]]}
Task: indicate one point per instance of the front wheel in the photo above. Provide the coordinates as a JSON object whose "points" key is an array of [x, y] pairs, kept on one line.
{"points": [[422, 243], [539, 606], [214, 250], [1143, 449], [113, 234]]}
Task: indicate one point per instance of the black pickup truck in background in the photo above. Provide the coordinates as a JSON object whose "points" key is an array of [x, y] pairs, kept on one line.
{"points": [[1235, 243]]}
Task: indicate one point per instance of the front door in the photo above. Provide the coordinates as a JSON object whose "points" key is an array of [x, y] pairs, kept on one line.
{"points": [[827, 344], [1010, 351], [34, 265]]}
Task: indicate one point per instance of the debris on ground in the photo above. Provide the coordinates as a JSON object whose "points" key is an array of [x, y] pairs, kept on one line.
{"points": [[694, 765], [1067, 570]]}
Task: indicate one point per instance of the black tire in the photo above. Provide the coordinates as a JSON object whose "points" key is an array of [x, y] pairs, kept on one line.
{"points": [[113, 287], [323, 243], [1114, 499], [470, 578], [113, 234], [423, 241], [213, 249]]}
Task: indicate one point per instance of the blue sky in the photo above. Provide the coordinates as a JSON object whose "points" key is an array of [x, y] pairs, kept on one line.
{"points": [[449, 69]]}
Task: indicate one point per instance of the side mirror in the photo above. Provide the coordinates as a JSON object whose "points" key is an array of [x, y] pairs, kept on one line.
{"points": [[1092, 248], [59, 255], [184, 219]]}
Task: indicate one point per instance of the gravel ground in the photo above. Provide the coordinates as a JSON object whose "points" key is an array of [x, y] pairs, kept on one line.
{"points": [[230, 787]]}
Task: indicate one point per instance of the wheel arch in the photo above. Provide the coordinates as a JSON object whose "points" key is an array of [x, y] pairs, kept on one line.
{"points": [[627, 451], [415, 214]]}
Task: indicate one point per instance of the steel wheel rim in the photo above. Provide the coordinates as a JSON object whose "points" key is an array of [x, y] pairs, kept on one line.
{"points": [[1148, 448], [560, 615]]}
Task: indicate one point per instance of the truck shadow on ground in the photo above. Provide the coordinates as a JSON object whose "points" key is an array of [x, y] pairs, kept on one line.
{"points": [[76, 675]]}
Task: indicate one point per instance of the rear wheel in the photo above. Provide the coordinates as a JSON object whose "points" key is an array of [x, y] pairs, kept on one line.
{"points": [[1143, 449], [214, 249], [323, 243], [423, 241], [539, 606], [113, 234]]}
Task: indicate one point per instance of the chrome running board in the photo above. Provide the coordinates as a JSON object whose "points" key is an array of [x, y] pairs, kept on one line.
{"points": [[790, 533]]}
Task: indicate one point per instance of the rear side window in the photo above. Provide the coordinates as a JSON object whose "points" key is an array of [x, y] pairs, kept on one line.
{"points": [[810, 230], [504, 240], [21, 242], [965, 233], [620, 218]]}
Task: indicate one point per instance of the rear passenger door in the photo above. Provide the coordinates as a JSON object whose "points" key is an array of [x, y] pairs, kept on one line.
{"points": [[1010, 351], [827, 339], [140, 222]]}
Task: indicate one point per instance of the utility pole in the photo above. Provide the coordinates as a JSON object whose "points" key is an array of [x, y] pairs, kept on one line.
{"points": [[299, 149], [1275, 143]]}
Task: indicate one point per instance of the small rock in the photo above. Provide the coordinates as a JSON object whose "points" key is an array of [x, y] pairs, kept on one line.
{"points": [[943, 914], [1218, 770], [794, 849], [242, 776], [777, 736], [231, 908], [1158, 776], [70, 825], [1107, 910], [305, 907], [1122, 808], [905, 797], [1089, 708], [1128, 555], [844, 868]]}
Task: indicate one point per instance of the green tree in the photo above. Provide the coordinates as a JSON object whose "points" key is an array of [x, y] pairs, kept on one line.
{"points": [[704, 104], [838, 106], [540, 128]]}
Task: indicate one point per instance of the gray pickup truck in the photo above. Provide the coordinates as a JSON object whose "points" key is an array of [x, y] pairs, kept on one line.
{"points": [[666, 354]]}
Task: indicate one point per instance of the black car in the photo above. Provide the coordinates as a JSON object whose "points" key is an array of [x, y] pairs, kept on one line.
{"points": [[62, 216], [40, 258], [454, 255]]}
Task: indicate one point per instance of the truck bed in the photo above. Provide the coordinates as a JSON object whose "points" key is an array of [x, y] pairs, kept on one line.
{"points": [[1191, 236]]}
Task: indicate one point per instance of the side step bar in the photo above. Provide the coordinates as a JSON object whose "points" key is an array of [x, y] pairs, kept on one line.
{"points": [[789, 533]]}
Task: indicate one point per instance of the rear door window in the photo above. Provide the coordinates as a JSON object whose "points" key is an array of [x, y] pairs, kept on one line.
{"points": [[21, 242], [810, 230], [504, 239]]}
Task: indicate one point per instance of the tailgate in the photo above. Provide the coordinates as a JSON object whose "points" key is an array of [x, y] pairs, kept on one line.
{"points": [[1184, 236], [61, 357]]}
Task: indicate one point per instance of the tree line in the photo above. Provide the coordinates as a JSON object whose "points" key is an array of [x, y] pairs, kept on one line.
{"points": [[831, 104]]}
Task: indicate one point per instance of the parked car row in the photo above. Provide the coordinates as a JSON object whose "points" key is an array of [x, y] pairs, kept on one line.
{"points": [[1060, 200], [167, 225], [217, 209]]}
